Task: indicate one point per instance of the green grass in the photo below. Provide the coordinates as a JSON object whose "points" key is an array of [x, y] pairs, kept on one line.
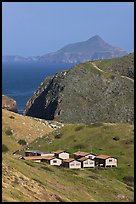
{"points": [[98, 138], [81, 185], [118, 65]]}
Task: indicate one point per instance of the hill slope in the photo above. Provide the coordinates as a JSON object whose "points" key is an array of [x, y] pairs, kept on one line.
{"points": [[85, 93], [93, 48], [18, 127], [25, 181]]}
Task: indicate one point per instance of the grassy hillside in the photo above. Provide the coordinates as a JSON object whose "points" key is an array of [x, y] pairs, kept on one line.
{"points": [[88, 92], [25, 181], [123, 66], [111, 139], [99, 184], [21, 127]]}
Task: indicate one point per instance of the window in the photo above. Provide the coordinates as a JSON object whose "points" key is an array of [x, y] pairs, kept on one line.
{"points": [[54, 161], [110, 160], [77, 164]]}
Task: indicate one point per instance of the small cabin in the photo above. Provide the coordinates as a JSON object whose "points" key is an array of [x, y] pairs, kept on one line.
{"points": [[86, 162], [53, 161], [105, 161], [78, 155], [71, 163], [48, 159], [34, 158], [32, 153], [61, 154], [37, 153]]}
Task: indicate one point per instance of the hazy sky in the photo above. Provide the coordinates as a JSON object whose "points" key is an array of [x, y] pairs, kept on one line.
{"points": [[37, 28]]}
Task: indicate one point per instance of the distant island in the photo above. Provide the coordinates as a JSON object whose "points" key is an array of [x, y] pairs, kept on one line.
{"points": [[92, 49]]}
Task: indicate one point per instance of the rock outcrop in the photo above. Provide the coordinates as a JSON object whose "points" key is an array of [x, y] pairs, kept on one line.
{"points": [[9, 104]]}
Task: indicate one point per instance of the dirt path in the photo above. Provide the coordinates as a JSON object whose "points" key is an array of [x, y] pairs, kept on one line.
{"points": [[96, 67], [105, 72]]}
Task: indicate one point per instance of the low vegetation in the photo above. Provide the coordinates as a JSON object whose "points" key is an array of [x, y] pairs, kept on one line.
{"points": [[26, 181], [91, 92]]}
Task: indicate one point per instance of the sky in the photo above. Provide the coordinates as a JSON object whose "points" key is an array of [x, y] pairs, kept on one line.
{"points": [[38, 28]]}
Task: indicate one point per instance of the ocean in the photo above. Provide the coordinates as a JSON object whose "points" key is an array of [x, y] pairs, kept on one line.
{"points": [[20, 80]]}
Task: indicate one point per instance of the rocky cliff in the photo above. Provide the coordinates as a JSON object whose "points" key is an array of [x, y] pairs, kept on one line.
{"points": [[9, 104], [85, 93]]}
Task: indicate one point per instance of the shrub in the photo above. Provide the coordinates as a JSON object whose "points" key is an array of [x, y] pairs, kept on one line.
{"points": [[116, 138], [58, 136], [12, 117], [93, 176], [22, 142], [8, 131], [128, 180], [4, 148], [79, 146], [79, 128], [129, 141]]}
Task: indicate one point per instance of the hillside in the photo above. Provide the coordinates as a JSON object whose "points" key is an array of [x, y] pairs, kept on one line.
{"points": [[91, 49], [16, 127], [26, 181], [86, 93], [123, 66]]}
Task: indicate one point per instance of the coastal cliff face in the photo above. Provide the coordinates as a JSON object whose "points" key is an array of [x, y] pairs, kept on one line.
{"points": [[9, 104], [85, 93]]}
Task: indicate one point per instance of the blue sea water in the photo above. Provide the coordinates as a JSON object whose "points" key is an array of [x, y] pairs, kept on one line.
{"points": [[20, 80]]}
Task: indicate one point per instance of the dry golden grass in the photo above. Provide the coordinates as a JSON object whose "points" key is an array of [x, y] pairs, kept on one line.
{"points": [[23, 127]]}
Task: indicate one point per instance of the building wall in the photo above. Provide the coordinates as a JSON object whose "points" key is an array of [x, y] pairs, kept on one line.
{"points": [[75, 165], [111, 162], [56, 162], [91, 156], [47, 154], [63, 155], [99, 162], [37, 160], [32, 154], [88, 163]]}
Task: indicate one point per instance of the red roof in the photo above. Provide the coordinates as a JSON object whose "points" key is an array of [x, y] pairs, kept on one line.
{"points": [[81, 153], [58, 151], [69, 160], [83, 159], [17, 155], [38, 157], [102, 156]]}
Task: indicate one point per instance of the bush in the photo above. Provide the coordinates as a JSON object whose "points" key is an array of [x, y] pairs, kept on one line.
{"points": [[22, 142], [79, 128], [128, 180], [12, 117], [8, 131], [4, 148], [58, 136], [93, 176], [79, 146], [116, 138], [129, 141]]}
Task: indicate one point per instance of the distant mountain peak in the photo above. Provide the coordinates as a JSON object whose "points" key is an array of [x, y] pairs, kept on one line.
{"points": [[92, 49], [95, 37]]}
